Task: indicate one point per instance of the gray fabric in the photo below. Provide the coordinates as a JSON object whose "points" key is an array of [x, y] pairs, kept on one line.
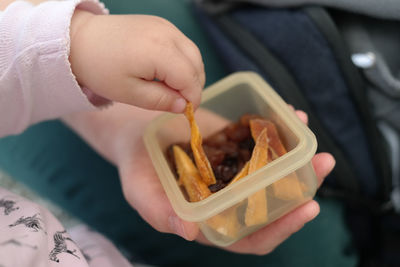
{"points": [[375, 50], [377, 8], [379, 42], [381, 76], [385, 108], [393, 140], [379, 39]]}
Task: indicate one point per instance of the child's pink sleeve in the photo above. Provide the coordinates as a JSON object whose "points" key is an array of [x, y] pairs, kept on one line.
{"points": [[36, 81]]}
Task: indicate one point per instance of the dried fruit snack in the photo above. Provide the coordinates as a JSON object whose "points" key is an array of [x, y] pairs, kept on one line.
{"points": [[222, 147], [257, 209], [189, 176], [286, 188], [200, 157], [219, 206], [253, 140]]}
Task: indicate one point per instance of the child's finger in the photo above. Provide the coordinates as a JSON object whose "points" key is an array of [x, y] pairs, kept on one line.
{"points": [[154, 95], [192, 52], [178, 72]]}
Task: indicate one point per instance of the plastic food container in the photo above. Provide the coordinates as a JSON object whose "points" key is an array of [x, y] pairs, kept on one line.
{"points": [[221, 216]]}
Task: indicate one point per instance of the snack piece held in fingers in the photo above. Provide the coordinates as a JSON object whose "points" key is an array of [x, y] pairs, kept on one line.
{"points": [[257, 209], [189, 176], [287, 188], [200, 157]]}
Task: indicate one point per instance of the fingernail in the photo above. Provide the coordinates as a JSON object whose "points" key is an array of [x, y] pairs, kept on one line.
{"points": [[178, 106], [333, 163], [176, 226]]}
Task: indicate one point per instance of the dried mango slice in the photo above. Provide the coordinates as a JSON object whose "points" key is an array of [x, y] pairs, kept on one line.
{"points": [[243, 172], [200, 157], [189, 176], [259, 157], [274, 142], [287, 188], [257, 209], [226, 222]]}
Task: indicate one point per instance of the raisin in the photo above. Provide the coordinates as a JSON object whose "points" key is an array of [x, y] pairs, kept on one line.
{"points": [[244, 155], [215, 156], [230, 149], [230, 161], [237, 132], [217, 186], [245, 119], [216, 140], [247, 144], [227, 170]]}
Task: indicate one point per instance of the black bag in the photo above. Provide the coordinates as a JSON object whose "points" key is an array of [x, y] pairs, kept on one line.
{"points": [[304, 53]]}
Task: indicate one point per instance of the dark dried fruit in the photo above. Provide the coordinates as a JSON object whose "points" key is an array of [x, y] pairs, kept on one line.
{"points": [[237, 132], [244, 155], [216, 140], [226, 172], [215, 156], [217, 186], [230, 149], [246, 118], [248, 144]]}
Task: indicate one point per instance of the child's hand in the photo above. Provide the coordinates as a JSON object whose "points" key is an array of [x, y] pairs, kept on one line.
{"points": [[136, 59]]}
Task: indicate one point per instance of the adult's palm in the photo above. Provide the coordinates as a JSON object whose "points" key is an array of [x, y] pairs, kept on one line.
{"points": [[117, 133]]}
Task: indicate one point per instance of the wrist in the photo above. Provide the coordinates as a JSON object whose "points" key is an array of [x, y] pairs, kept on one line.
{"points": [[79, 22]]}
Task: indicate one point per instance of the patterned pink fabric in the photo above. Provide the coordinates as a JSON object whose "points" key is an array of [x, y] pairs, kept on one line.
{"points": [[31, 236]]}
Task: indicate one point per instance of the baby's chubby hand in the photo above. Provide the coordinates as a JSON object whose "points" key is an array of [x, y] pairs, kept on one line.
{"points": [[136, 59]]}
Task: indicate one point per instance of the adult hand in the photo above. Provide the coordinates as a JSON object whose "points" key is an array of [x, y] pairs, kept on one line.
{"points": [[124, 125]]}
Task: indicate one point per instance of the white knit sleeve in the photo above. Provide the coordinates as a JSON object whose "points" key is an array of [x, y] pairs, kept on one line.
{"points": [[36, 81]]}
